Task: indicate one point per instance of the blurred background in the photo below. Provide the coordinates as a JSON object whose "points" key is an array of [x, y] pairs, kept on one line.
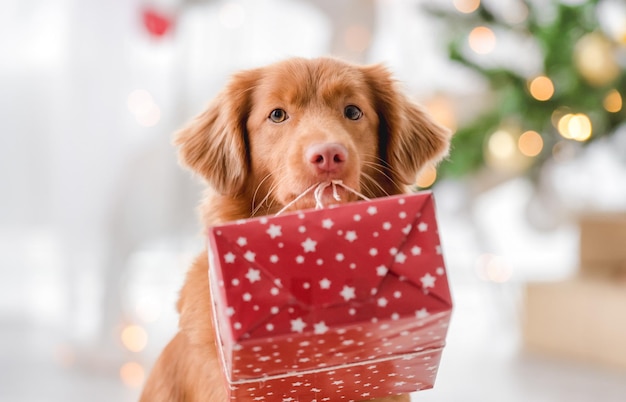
{"points": [[98, 224]]}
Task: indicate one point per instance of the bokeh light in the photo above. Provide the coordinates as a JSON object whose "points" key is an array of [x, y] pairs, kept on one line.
{"points": [[541, 88], [501, 144], [575, 127], [134, 338], [427, 177], [613, 101], [530, 143], [482, 40], [466, 6], [132, 374]]}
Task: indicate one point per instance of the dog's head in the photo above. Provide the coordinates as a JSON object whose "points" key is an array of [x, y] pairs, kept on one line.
{"points": [[275, 131]]}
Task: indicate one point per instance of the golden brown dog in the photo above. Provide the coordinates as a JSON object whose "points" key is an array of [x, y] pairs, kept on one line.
{"points": [[272, 133]]}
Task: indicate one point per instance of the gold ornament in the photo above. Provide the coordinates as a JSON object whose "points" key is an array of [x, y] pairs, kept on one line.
{"points": [[594, 56]]}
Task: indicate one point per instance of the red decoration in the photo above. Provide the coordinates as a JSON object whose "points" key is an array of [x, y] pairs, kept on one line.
{"points": [[157, 23], [346, 302]]}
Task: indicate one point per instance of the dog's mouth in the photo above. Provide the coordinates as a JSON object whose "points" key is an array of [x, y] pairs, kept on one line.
{"points": [[322, 195]]}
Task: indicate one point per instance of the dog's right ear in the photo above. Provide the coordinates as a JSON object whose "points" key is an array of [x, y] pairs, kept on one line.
{"points": [[215, 143]]}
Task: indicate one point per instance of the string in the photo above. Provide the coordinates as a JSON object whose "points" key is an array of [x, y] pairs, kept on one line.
{"points": [[318, 193]]}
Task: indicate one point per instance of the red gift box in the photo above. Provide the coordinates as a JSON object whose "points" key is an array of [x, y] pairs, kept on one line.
{"points": [[345, 303]]}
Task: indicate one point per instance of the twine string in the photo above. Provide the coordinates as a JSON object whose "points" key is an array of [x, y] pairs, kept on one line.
{"points": [[318, 193]]}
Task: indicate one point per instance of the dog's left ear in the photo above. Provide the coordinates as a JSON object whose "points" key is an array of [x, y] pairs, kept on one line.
{"points": [[409, 137]]}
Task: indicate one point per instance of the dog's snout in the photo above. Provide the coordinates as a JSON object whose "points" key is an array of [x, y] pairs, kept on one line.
{"points": [[327, 157]]}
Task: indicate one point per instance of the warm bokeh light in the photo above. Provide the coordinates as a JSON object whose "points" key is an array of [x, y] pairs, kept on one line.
{"points": [[595, 59], [134, 338], [493, 268], [541, 88], [575, 127], [530, 143], [441, 109], [132, 374], [613, 101], [501, 144], [466, 6], [427, 177], [482, 40]]}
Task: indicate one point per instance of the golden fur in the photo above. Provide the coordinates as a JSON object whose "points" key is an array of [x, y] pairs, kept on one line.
{"points": [[254, 166]]}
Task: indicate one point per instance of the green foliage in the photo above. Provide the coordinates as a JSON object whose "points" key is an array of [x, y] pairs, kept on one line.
{"points": [[557, 38]]}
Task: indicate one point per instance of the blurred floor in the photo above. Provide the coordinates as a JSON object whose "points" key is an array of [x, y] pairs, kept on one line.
{"points": [[482, 362]]}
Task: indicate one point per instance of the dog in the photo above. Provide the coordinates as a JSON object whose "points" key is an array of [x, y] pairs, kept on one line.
{"points": [[271, 134]]}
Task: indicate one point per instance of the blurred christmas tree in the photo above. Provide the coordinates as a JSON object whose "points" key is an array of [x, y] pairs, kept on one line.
{"points": [[571, 96]]}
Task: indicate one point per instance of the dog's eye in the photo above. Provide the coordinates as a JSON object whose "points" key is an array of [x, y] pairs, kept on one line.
{"points": [[352, 112], [278, 115]]}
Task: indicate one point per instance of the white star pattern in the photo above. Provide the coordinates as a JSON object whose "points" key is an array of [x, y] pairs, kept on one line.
{"points": [[364, 235], [320, 328], [400, 258], [309, 245], [348, 293], [253, 275], [249, 255], [274, 231], [428, 281], [298, 325], [229, 258]]}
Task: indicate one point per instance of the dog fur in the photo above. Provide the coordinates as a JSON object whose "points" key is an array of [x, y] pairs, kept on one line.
{"points": [[255, 166]]}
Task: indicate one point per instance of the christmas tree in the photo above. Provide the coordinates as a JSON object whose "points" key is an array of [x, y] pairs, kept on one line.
{"points": [[573, 96]]}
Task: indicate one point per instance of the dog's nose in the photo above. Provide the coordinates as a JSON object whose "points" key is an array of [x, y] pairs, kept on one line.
{"points": [[327, 157]]}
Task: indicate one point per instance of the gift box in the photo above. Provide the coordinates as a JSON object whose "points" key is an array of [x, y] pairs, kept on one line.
{"points": [[581, 318], [603, 244], [343, 303]]}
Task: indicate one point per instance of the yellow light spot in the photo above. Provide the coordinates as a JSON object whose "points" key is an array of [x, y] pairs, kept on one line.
{"points": [[132, 374], [134, 338], [427, 177], [575, 127], [530, 143], [501, 144], [541, 88], [613, 101], [482, 40], [466, 6]]}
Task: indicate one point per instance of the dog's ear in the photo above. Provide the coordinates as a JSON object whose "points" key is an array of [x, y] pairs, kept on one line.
{"points": [[215, 143], [409, 138]]}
